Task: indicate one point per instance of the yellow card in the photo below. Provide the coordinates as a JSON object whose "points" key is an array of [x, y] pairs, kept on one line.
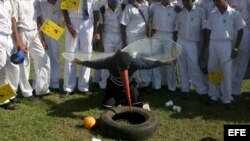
{"points": [[52, 29], [6, 92], [215, 76], [70, 5]]}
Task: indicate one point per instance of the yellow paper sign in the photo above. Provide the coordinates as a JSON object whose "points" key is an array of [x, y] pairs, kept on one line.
{"points": [[52, 29], [215, 76], [6, 92], [70, 5]]}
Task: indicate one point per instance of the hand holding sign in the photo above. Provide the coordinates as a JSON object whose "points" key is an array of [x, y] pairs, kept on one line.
{"points": [[215, 76], [6, 92], [70, 5], [52, 29]]}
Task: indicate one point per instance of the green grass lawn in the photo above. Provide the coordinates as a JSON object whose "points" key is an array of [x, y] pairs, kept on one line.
{"points": [[54, 119]]}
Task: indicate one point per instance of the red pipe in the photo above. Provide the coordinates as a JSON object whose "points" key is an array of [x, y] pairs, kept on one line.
{"points": [[125, 79]]}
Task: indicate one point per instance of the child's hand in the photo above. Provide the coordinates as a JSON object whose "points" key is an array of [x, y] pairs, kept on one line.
{"points": [[173, 62], [77, 61], [234, 53], [72, 31]]}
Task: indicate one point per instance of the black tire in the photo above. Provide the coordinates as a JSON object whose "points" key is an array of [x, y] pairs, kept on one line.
{"points": [[143, 123]]}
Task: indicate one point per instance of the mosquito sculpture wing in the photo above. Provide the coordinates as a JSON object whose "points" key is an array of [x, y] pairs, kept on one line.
{"points": [[154, 49], [86, 56], [149, 48]]}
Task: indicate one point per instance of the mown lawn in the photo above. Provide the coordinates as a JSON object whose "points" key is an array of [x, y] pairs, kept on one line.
{"points": [[54, 119]]}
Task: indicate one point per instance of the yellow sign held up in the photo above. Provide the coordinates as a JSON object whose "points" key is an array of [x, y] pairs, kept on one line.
{"points": [[52, 29], [70, 5], [215, 76], [6, 92]]}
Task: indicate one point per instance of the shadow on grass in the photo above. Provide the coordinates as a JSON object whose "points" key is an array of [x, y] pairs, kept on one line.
{"points": [[193, 107], [75, 103]]}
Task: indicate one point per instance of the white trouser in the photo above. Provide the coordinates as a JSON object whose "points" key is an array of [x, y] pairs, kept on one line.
{"points": [[189, 68], [54, 54], [143, 77], [97, 73], [111, 42], [220, 57], [9, 73], [82, 43], [165, 74], [41, 65], [241, 62]]}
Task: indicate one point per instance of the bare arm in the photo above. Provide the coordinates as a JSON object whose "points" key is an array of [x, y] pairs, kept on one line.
{"points": [[71, 28], [42, 38], [124, 35], [206, 38], [237, 43], [96, 37], [16, 36], [98, 64]]}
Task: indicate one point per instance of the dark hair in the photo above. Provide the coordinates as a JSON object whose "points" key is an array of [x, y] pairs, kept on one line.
{"points": [[122, 60]]}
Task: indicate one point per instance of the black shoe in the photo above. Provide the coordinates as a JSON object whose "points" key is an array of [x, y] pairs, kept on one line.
{"points": [[94, 86], [185, 95], [65, 94], [31, 98], [236, 97], [44, 95], [16, 100], [9, 106], [137, 104], [211, 102], [228, 106], [88, 93], [55, 90], [146, 90], [203, 98]]}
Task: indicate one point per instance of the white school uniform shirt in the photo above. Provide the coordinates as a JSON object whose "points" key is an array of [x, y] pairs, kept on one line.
{"points": [[222, 26], [27, 13], [163, 17], [92, 6], [189, 24], [6, 13], [179, 2], [100, 3], [132, 18], [207, 5], [243, 6], [50, 11], [112, 18]]}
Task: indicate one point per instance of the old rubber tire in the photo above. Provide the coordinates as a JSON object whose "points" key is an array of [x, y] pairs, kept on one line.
{"points": [[143, 123]]}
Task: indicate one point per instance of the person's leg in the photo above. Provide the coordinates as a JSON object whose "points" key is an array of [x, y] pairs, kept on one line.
{"points": [[41, 64], [135, 98], [25, 68], [85, 35], [240, 63], [225, 49], [3, 60], [54, 53], [213, 63], [111, 97], [3, 78], [196, 76], [183, 68], [71, 45]]}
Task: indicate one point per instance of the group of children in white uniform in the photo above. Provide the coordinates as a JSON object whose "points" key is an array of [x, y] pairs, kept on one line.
{"points": [[217, 37]]}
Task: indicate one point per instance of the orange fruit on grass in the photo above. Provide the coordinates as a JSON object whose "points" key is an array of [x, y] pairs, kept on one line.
{"points": [[89, 122]]}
